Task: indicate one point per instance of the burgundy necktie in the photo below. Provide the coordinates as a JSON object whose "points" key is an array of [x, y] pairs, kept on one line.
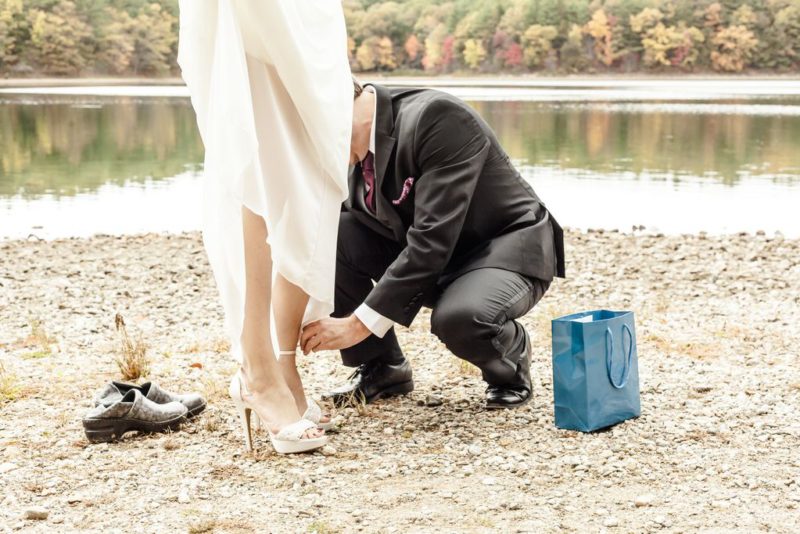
{"points": [[368, 170]]}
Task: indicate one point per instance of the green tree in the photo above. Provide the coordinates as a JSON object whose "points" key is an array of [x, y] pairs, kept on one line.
{"points": [[155, 38], [787, 27], [572, 53], [14, 31], [116, 42]]}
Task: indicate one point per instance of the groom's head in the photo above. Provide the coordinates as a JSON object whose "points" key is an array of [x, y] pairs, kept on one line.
{"points": [[363, 115]]}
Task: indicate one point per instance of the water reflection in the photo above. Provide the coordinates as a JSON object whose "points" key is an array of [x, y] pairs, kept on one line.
{"points": [[83, 164], [643, 140], [64, 148]]}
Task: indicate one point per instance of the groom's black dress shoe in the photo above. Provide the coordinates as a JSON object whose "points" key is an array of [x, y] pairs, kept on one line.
{"points": [[376, 379], [519, 391]]}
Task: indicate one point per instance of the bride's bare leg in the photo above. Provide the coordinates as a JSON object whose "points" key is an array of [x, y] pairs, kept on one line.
{"points": [[261, 370], [289, 304]]}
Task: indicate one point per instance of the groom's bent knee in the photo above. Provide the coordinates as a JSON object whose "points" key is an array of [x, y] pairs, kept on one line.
{"points": [[463, 331]]}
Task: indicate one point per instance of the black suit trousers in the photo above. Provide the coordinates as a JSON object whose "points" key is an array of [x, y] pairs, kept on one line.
{"points": [[473, 315]]}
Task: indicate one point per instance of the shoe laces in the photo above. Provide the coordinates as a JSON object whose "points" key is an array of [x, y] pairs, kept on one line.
{"points": [[364, 370]]}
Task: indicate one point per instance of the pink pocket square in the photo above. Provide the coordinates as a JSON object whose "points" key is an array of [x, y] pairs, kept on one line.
{"points": [[406, 190]]}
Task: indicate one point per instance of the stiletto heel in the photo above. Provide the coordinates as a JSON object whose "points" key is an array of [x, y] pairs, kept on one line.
{"points": [[290, 439], [235, 392]]}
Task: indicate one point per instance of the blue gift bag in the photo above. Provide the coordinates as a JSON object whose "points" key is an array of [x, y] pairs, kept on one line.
{"points": [[595, 370]]}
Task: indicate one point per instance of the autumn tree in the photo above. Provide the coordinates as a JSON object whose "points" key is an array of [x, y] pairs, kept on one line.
{"points": [[434, 48], [60, 39], [537, 43], [116, 41], [413, 49], [474, 53], [599, 29], [140, 36], [733, 47]]}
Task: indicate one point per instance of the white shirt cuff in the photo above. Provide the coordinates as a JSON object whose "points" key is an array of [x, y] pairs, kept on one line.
{"points": [[374, 321]]}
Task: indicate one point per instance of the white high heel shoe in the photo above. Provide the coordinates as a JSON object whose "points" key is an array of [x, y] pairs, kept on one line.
{"points": [[313, 412], [290, 438]]}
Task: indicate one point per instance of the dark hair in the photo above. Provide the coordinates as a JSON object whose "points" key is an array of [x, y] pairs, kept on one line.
{"points": [[357, 88]]}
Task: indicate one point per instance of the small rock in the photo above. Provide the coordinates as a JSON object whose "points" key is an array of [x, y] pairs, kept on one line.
{"points": [[388, 430], [643, 500], [474, 449], [328, 450], [610, 522], [489, 481], [6, 467], [183, 496], [430, 400], [36, 513]]}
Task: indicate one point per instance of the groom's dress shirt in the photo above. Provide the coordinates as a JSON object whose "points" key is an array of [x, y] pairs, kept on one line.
{"points": [[374, 321]]}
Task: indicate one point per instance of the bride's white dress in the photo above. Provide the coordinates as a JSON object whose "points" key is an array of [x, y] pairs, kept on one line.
{"points": [[271, 86]]}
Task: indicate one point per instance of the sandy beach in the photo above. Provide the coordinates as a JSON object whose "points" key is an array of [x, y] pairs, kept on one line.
{"points": [[714, 451]]}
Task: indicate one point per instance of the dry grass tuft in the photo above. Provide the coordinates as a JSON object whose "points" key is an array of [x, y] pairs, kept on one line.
{"points": [[214, 390], [210, 422], [131, 356], [38, 339], [202, 525], [320, 527], [170, 443], [10, 389], [218, 346], [357, 401]]}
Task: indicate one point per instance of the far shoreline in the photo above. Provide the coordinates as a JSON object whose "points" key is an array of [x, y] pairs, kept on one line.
{"points": [[480, 80]]}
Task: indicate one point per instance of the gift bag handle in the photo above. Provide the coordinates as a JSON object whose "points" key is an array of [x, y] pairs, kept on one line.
{"points": [[610, 356]]}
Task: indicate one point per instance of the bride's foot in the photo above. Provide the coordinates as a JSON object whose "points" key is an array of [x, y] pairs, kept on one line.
{"points": [[310, 410], [275, 407]]}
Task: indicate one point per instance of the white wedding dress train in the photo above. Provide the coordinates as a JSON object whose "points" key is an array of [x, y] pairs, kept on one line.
{"points": [[271, 86]]}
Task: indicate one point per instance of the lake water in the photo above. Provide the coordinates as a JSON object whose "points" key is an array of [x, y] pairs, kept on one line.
{"points": [[671, 156]]}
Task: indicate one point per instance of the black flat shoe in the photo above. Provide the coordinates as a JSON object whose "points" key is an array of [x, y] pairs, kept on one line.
{"points": [[372, 381], [114, 391], [132, 412], [517, 393]]}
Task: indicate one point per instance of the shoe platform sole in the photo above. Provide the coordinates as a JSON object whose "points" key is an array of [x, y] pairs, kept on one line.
{"points": [[395, 390], [347, 399], [493, 406], [106, 430], [196, 410], [295, 447]]}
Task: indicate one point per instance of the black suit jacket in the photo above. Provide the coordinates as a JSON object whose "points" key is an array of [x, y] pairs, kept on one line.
{"points": [[468, 207]]}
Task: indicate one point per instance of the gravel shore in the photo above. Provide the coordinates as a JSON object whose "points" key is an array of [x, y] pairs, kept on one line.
{"points": [[716, 448]]}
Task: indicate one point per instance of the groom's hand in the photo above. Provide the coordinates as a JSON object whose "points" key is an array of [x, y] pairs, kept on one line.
{"points": [[333, 334]]}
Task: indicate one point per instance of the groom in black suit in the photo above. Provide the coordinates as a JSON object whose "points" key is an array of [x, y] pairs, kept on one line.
{"points": [[439, 217]]}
